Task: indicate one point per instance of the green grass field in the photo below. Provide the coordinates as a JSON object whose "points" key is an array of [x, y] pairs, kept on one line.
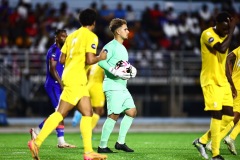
{"points": [[147, 146]]}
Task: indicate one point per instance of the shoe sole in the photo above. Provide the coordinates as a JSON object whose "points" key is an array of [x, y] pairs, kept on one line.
{"points": [[34, 154], [66, 146], [229, 148]]}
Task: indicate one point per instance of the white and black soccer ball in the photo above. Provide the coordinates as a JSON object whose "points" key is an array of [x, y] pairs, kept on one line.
{"points": [[125, 66]]}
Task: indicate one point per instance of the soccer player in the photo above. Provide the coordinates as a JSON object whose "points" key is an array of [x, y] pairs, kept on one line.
{"points": [[95, 82], [233, 75], [53, 84], [217, 94], [119, 99], [78, 51]]}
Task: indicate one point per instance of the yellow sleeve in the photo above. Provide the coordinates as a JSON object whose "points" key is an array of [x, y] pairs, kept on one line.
{"points": [[210, 39], [92, 43]]}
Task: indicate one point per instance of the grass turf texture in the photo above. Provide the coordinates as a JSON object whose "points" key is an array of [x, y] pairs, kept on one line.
{"points": [[147, 146]]}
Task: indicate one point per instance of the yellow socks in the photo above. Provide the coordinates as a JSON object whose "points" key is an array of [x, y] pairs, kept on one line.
{"points": [[50, 124], [205, 138], [235, 131], [215, 136], [86, 131], [95, 119]]}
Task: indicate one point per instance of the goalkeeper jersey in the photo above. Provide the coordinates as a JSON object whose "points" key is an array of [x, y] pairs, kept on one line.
{"points": [[116, 52]]}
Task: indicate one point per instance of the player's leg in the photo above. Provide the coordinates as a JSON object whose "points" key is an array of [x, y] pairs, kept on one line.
{"points": [[213, 96], [76, 118], [56, 91], [84, 106], [230, 139], [227, 110], [130, 114], [114, 108], [50, 124], [97, 100]]}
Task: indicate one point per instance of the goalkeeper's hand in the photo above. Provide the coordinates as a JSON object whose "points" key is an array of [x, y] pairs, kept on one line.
{"points": [[133, 72], [119, 73]]}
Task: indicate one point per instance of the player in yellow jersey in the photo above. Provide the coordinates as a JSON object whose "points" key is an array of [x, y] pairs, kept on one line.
{"points": [[95, 82], [217, 94], [78, 51], [233, 75]]}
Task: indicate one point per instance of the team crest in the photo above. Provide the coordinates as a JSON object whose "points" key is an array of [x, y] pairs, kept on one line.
{"points": [[93, 46], [211, 39]]}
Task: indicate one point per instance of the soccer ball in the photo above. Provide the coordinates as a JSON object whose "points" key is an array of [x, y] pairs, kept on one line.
{"points": [[125, 66]]}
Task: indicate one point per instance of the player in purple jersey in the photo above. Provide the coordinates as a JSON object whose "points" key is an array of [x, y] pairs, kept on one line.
{"points": [[53, 85]]}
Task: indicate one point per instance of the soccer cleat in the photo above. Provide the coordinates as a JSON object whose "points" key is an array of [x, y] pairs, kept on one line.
{"points": [[123, 147], [218, 157], [33, 132], [94, 156], [201, 148], [230, 144], [33, 149], [76, 118], [209, 146], [66, 145], [104, 150]]}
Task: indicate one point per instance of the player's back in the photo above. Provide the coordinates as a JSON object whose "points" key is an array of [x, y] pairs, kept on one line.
{"points": [[75, 48]]}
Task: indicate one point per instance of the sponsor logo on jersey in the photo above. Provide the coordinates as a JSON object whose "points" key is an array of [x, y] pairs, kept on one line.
{"points": [[93, 46], [210, 40]]}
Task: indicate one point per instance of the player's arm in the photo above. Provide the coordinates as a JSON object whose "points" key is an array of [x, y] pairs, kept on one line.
{"points": [[231, 58], [92, 58], [116, 72], [53, 71], [62, 58], [222, 47]]}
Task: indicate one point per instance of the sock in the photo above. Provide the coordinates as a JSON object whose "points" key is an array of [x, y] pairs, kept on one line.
{"points": [[235, 131], [106, 131], [60, 134], [225, 121], [95, 119], [227, 129], [205, 138], [76, 118], [124, 127], [41, 124], [50, 124], [86, 131], [215, 136]]}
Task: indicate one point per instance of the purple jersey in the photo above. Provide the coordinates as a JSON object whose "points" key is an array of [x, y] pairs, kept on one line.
{"points": [[53, 54]]}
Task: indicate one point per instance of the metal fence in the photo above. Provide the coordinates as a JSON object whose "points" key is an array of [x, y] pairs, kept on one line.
{"points": [[165, 78]]}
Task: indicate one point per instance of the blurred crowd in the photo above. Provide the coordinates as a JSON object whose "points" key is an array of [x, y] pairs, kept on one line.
{"points": [[154, 34], [32, 27]]}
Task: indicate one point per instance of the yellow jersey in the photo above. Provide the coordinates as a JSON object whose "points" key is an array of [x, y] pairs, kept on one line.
{"points": [[75, 47], [96, 74], [236, 69], [213, 62]]}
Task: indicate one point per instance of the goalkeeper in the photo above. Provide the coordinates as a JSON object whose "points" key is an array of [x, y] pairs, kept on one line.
{"points": [[119, 100]]}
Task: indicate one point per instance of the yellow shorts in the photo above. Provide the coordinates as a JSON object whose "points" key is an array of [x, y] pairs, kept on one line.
{"points": [[96, 95], [236, 103], [215, 97], [72, 94]]}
